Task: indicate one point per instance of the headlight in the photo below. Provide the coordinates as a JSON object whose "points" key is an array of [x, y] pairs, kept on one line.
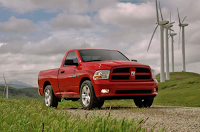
{"points": [[101, 74], [153, 74]]}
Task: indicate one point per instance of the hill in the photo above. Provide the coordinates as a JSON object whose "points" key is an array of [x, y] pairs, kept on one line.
{"points": [[14, 93], [182, 89], [17, 84]]}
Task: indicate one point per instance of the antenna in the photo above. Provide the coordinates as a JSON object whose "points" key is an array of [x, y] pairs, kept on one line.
{"points": [[161, 24]]}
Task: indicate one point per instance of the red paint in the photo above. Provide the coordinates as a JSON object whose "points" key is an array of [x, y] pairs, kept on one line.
{"points": [[69, 82]]}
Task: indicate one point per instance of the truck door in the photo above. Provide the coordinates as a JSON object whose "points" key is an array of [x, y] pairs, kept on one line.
{"points": [[67, 75]]}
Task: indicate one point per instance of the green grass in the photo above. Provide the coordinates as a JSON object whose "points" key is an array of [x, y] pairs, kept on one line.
{"points": [[182, 89], [20, 115]]}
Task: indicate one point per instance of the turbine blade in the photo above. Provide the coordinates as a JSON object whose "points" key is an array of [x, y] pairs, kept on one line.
{"points": [[184, 18], [152, 37], [160, 12], [178, 16], [170, 22], [9, 83], [171, 29], [157, 11], [4, 78]]}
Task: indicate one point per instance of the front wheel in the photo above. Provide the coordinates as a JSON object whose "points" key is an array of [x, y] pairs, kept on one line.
{"points": [[50, 100], [143, 103], [88, 98]]}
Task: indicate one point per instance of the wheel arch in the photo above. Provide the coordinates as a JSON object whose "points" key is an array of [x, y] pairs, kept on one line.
{"points": [[82, 80], [45, 84]]}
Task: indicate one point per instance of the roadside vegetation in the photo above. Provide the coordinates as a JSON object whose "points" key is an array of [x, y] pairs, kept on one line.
{"points": [[19, 115]]}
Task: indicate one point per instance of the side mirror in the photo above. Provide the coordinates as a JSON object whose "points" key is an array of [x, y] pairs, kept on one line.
{"points": [[134, 60], [70, 62]]}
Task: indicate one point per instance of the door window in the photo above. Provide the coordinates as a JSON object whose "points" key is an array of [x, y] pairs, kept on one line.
{"points": [[72, 56]]}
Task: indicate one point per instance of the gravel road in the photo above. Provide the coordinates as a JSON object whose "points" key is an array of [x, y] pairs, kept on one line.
{"points": [[174, 119]]}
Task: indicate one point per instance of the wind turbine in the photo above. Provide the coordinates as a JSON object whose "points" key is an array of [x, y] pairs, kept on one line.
{"points": [[161, 24], [6, 86], [182, 25], [172, 46], [167, 27]]}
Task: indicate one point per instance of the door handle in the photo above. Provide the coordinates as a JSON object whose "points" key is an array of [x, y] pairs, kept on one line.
{"points": [[62, 72]]}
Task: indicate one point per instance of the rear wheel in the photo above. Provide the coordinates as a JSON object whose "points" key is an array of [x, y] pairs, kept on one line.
{"points": [[50, 100], [88, 98], [144, 103]]}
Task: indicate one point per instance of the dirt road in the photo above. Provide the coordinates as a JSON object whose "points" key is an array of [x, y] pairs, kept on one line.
{"points": [[174, 119]]}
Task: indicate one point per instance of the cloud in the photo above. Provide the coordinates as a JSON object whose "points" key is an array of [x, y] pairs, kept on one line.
{"points": [[66, 21], [73, 6], [91, 24], [14, 25], [57, 43], [128, 14]]}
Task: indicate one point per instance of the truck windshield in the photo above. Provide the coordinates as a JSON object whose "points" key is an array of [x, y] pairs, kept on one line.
{"points": [[100, 55]]}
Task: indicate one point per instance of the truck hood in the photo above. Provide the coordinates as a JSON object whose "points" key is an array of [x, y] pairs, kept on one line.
{"points": [[110, 64]]}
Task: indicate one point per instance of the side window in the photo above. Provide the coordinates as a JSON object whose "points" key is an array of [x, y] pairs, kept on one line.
{"points": [[72, 56]]}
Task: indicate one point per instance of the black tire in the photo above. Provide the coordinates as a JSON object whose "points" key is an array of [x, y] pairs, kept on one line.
{"points": [[50, 100], [99, 104], [143, 103], [87, 96]]}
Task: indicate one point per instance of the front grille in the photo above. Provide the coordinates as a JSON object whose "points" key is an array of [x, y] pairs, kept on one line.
{"points": [[120, 77], [142, 77], [132, 91], [121, 70], [142, 70], [129, 74]]}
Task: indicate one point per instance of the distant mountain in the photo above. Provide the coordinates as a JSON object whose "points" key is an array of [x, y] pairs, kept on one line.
{"points": [[18, 84], [24, 93]]}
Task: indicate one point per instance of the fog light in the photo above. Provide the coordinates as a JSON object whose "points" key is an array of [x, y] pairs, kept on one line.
{"points": [[104, 90], [155, 89]]}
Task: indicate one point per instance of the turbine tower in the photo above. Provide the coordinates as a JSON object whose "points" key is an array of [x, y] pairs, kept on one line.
{"points": [[182, 25], [161, 24], [167, 27], [172, 45], [6, 86]]}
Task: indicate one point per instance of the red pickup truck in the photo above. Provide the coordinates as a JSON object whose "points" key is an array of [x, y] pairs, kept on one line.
{"points": [[95, 75]]}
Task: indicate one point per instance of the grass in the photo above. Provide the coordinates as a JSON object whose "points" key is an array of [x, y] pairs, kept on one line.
{"points": [[19, 115], [182, 89]]}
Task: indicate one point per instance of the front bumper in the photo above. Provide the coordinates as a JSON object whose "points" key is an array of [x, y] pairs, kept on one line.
{"points": [[120, 90]]}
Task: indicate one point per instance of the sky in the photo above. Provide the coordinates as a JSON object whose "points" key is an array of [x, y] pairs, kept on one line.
{"points": [[35, 34]]}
